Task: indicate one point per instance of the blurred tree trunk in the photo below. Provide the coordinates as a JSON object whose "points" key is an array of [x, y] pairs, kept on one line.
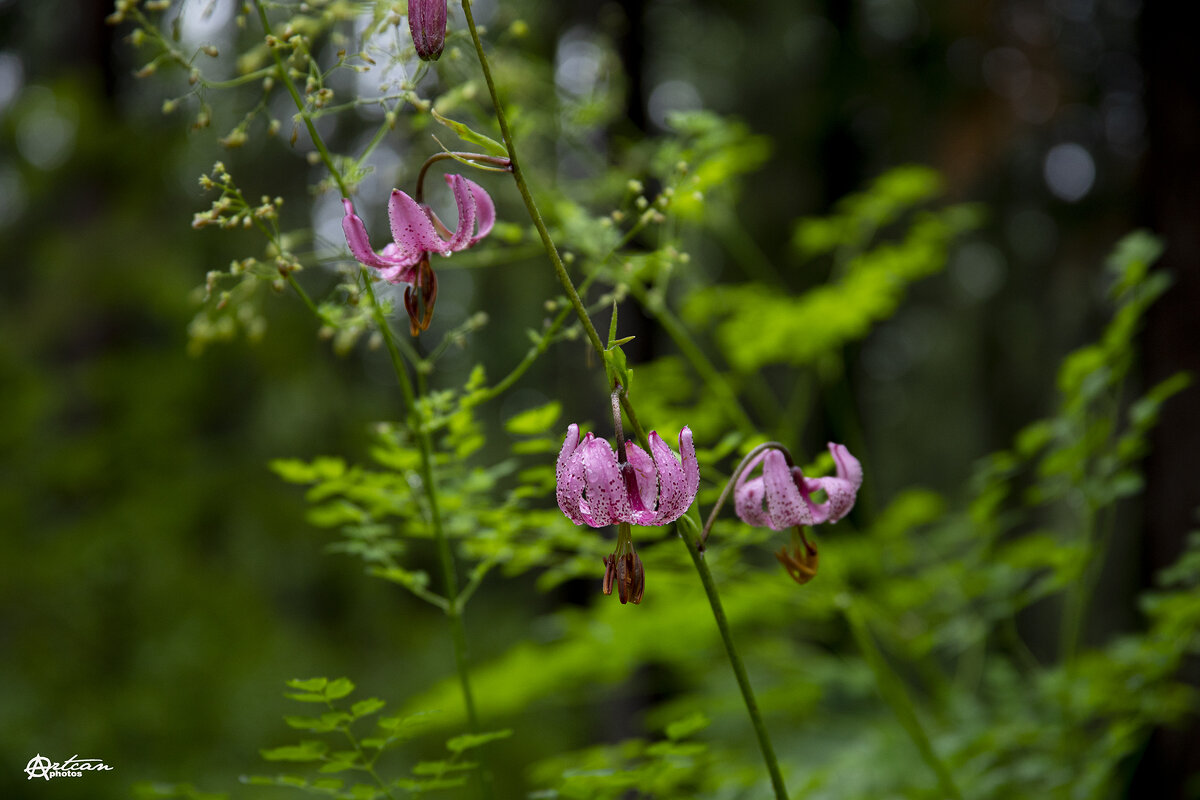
{"points": [[1171, 207]]}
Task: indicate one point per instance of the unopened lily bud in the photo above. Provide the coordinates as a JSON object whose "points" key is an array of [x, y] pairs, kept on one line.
{"points": [[427, 23]]}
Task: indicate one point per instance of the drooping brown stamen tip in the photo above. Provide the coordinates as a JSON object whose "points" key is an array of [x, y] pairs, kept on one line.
{"points": [[610, 566], [631, 578], [429, 290], [420, 297], [410, 305], [802, 562]]}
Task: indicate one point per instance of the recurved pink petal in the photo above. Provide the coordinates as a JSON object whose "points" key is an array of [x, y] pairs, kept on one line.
{"points": [[748, 502], [647, 479], [785, 505], [485, 210], [411, 228], [569, 477], [848, 467], [464, 198], [360, 243], [691, 467], [605, 500], [748, 495], [674, 482], [840, 492]]}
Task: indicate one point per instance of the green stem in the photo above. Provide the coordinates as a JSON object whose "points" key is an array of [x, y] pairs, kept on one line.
{"points": [[560, 271], [445, 554], [304, 296], [687, 532], [368, 764], [535, 215], [729, 484], [895, 695], [317, 141], [1079, 592]]}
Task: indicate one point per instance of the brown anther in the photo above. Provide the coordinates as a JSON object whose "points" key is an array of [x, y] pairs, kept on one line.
{"points": [[610, 566], [801, 563], [420, 297], [631, 578]]}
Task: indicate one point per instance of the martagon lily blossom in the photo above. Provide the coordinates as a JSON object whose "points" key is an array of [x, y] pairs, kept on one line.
{"points": [[417, 232], [788, 494], [599, 487], [781, 497], [596, 488]]}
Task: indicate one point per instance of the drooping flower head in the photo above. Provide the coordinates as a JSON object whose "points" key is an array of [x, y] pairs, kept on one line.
{"points": [[417, 232], [599, 487], [427, 24], [648, 489], [781, 496]]}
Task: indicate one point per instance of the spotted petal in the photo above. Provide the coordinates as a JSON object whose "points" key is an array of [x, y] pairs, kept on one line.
{"points": [[840, 491], [411, 228], [464, 198], [605, 499], [785, 504], [677, 482], [360, 244], [569, 477], [748, 495], [485, 210], [642, 503]]}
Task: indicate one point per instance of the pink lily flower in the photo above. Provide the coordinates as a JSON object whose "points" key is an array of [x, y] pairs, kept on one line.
{"points": [[788, 494], [648, 489], [417, 232]]}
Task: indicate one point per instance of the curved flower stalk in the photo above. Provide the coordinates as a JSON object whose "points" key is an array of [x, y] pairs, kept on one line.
{"points": [[598, 487], [417, 232]]}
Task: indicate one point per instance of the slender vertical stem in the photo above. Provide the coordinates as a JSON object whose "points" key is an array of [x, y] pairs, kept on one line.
{"points": [[689, 536], [535, 215], [445, 554], [686, 528], [317, 141]]}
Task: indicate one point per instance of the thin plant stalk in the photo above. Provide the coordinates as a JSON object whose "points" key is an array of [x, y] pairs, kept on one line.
{"points": [[445, 554], [564, 279], [687, 531], [424, 445]]}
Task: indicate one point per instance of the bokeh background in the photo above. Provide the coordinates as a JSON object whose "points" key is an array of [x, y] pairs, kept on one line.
{"points": [[158, 583]]}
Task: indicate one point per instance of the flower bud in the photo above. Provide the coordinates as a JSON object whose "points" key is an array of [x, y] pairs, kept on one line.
{"points": [[427, 23]]}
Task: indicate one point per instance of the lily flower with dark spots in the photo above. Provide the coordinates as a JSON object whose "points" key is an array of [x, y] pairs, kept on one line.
{"points": [[782, 497], [416, 233], [597, 488]]}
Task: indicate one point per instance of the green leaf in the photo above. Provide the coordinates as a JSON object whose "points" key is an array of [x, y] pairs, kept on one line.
{"points": [[441, 767], [305, 751], [306, 697], [681, 729], [470, 740], [474, 137], [308, 684], [339, 688], [535, 420], [364, 707]]}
